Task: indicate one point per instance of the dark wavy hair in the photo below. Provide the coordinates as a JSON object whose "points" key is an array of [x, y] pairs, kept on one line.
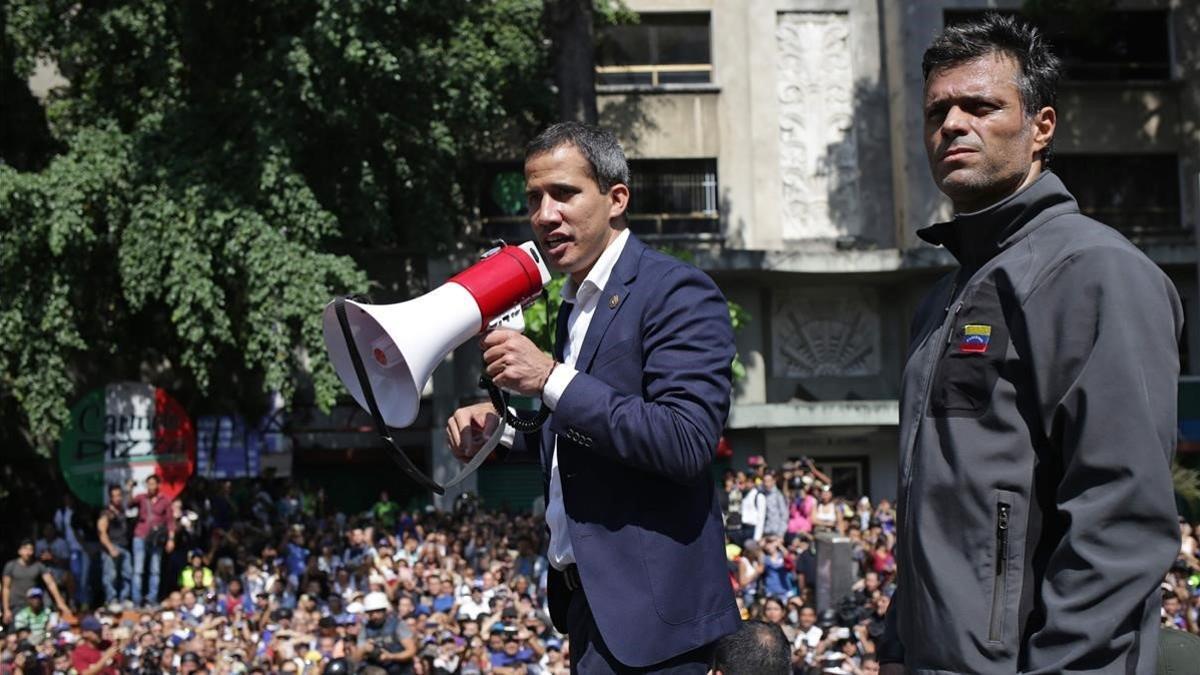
{"points": [[599, 146], [1038, 67]]}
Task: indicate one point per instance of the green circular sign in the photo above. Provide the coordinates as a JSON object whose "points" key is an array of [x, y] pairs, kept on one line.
{"points": [[126, 431]]}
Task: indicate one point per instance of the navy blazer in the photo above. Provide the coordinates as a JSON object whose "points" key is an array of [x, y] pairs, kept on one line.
{"points": [[637, 431]]}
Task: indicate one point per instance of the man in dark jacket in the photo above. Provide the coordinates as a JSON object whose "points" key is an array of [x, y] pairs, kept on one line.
{"points": [[1038, 408], [639, 391]]}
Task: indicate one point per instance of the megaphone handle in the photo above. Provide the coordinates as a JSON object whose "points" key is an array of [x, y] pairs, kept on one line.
{"points": [[470, 467], [500, 401], [401, 459]]}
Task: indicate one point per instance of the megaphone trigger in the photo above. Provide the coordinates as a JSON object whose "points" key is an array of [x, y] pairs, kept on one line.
{"points": [[513, 319]]}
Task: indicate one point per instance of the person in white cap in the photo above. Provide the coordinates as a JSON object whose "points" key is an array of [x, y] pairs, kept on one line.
{"points": [[384, 640]]}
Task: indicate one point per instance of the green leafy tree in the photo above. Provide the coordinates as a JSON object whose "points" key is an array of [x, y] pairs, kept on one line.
{"points": [[207, 161]]}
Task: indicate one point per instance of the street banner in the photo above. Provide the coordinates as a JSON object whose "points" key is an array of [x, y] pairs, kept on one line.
{"points": [[227, 447]]}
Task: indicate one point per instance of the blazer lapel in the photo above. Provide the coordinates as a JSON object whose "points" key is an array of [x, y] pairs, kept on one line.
{"points": [[560, 329], [611, 300]]}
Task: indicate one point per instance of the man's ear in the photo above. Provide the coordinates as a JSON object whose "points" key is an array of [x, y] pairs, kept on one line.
{"points": [[1044, 123], [618, 200]]}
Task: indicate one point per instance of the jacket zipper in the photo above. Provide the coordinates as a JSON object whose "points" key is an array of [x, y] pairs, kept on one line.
{"points": [[947, 328], [949, 318], [949, 341], [1000, 581]]}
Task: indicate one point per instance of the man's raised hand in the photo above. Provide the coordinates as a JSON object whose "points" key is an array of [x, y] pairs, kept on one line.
{"points": [[469, 428]]}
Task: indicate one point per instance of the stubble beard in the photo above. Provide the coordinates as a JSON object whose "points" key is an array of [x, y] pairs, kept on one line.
{"points": [[976, 188]]}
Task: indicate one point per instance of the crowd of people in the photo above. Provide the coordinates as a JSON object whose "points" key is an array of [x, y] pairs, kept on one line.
{"points": [[775, 520], [263, 577]]}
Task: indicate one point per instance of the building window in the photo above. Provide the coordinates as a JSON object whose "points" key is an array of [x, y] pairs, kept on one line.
{"points": [[671, 198], [1137, 194], [661, 49], [501, 200], [1103, 46]]}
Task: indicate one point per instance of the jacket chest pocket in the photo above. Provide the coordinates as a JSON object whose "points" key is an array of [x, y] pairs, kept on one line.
{"points": [[972, 359]]}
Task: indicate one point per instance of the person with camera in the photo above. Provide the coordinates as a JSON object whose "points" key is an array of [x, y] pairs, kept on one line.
{"points": [[808, 633], [153, 534], [25, 660], [93, 655], [385, 641]]}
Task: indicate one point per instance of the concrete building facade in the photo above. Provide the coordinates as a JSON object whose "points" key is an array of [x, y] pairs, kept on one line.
{"points": [[809, 114]]}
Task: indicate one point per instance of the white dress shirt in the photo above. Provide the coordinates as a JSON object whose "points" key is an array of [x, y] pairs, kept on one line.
{"points": [[584, 298]]}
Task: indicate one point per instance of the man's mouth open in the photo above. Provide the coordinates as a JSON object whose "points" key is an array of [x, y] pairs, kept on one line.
{"points": [[555, 244]]}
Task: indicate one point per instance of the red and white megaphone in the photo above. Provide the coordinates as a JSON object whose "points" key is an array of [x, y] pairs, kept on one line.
{"points": [[400, 345]]}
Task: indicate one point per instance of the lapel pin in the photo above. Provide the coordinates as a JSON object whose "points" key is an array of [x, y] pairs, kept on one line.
{"points": [[614, 301]]}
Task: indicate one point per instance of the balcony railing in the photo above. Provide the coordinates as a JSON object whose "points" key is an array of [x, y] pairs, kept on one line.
{"points": [[674, 199], [1137, 194], [683, 226], [655, 75], [701, 227]]}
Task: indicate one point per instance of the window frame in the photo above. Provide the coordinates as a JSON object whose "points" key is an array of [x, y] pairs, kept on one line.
{"points": [[1171, 65], [1111, 216], [652, 225], [656, 69]]}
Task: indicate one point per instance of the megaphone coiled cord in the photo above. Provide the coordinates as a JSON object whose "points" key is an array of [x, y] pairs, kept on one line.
{"points": [[500, 399], [500, 403]]}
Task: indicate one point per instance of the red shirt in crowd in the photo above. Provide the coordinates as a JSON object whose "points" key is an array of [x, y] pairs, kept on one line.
{"points": [[85, 655], [152, 513], [882, 563]]}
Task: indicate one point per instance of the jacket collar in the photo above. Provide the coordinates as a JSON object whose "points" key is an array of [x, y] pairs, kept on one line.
{"points": [[976, 237], [626, 268], [611, 301], [601, 270]]}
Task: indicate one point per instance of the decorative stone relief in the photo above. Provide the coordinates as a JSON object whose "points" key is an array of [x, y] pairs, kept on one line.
{"points": [[818, 149], [825, 333]]}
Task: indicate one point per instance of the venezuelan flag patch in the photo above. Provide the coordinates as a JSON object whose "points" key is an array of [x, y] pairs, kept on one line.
{"points": [[975, 338]]}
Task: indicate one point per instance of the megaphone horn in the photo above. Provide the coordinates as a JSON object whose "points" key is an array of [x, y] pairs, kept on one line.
{"points": [[402, 343]]}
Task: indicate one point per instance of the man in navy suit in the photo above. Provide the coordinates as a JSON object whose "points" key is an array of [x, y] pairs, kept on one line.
{"points": [[639, 391]]}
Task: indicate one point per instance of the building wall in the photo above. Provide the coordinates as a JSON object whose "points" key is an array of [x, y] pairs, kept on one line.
{"points": [[814, 116], [676, 125]]}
